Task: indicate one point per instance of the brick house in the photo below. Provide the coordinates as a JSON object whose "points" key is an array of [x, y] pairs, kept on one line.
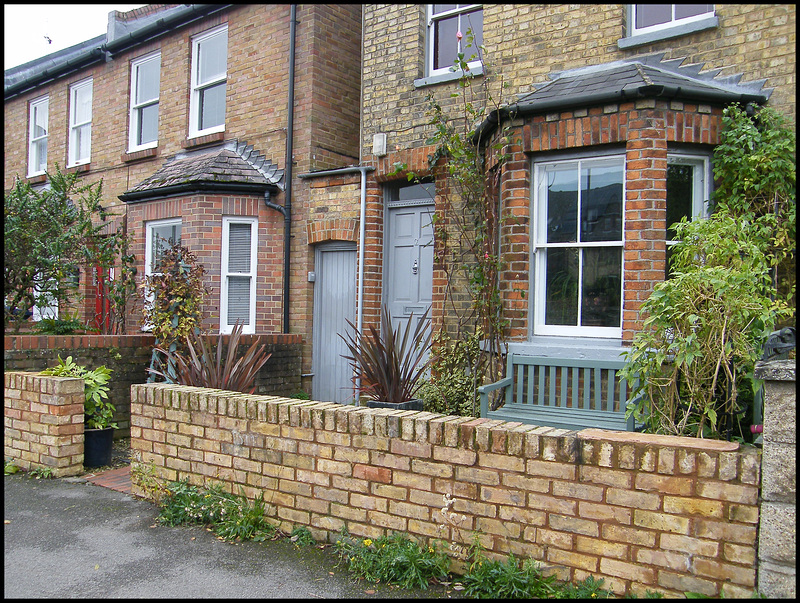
{"points": [[625, 94], [184, 112], [613, 110]]}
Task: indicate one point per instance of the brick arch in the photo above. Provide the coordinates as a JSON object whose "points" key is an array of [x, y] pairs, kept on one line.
{"points": [[336, 229]]}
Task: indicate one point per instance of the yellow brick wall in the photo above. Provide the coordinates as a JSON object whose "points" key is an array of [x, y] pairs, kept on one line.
{"points": [[643, 512], [43, 422]]}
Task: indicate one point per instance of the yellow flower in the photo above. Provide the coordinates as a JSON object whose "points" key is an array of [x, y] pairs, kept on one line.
{"points": [[367, 542]]}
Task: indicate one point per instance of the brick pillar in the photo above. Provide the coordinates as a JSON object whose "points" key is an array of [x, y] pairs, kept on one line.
{"points": [[777, 540], [645, 210]]}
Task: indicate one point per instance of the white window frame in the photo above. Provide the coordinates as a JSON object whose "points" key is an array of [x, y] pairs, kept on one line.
{"points": [[226, 327], [664, 31], [37, 145], [702, 182], [431, 49], [137, 107], [76, 126], [539, 246], [198, 87], [148, 255], [672, 23]]}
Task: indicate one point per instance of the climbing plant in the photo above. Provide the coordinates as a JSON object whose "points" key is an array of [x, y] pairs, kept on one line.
{"points": [[466, 223], [705, 326]]}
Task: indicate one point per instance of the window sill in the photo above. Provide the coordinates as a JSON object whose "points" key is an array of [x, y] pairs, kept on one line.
{"points": [[667, 34], [78, 169], [36, 179], [139, 155], [450, 76], [569, 347], [200, 141]]}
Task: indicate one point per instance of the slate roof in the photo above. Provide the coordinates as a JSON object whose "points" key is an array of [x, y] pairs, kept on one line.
{"points": [[232, 167], [643, 77], [646, 76]]}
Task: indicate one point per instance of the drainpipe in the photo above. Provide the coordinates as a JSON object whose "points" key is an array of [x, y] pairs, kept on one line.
{"points": [[287, 219], [361, 233]]}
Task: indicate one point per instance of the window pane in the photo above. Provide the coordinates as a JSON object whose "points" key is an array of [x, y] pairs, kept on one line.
{"points": [[83, 142], [680, 187], [147, 81], [212, 106], [82, 107], [562, 204], [652, 14], [561, 304], [148, 124], [601, 203], [473, 21], [40, 120], [683, 11], [40, 155], [445, 43], [602, 278], [213, 58], [442, 8], [239, 299], [239, 248], [163, 237]]}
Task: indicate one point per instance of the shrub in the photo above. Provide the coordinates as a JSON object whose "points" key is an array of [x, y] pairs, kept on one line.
{"points": [[389, 363], [201, 367], [98, 410]]}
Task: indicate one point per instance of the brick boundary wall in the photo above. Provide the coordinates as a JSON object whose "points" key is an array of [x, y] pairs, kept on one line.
{"points": [[128, 356], [663, 513], [43, 422]]}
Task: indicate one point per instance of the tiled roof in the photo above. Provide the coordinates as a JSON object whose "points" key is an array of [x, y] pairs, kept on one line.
{"points": [[234, 163], [642, 77]]}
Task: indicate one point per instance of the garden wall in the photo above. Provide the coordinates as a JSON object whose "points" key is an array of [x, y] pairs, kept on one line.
{"points": [[129, 356], [641, 511], [43, 422], [777, 539]]}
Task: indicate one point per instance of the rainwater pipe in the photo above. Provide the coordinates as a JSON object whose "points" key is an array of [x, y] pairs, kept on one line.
{"points": [[362, 219], [286, 208]]}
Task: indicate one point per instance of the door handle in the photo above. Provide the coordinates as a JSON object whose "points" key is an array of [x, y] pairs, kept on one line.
{"points": [[415, 267]]}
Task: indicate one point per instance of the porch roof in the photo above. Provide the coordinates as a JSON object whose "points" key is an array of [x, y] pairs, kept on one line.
{"points": [[642, 77], [234, 167]]}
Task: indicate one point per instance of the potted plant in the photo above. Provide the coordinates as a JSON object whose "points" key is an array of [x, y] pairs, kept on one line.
{"points": [[98, 426], [388, 364]]}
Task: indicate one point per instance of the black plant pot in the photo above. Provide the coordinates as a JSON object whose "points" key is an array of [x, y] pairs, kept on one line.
{"points": [[414, 404], [97, 444]]}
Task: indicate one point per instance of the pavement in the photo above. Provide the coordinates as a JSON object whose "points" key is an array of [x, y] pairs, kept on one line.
{"points": [[88, 537]]}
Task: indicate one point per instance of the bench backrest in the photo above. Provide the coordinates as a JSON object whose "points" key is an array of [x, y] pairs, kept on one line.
{"points": [[573, 393]]}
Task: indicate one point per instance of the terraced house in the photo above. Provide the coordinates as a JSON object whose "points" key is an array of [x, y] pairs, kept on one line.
{"points": [[269, 141]]}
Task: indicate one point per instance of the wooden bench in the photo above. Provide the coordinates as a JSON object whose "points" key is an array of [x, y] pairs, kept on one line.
{"points": [[559, 392]]}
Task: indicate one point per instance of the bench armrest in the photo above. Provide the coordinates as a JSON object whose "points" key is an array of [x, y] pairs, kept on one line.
{"points": [[484, 390]]}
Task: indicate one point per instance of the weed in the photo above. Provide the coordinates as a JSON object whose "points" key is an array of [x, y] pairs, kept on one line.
{"points": [[229, 516], [42, 473], [394, 559], [144, 476], [301, 536], [10, 468]]}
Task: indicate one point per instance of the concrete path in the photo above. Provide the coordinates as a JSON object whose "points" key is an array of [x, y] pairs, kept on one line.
{"points": [[69, 538]]}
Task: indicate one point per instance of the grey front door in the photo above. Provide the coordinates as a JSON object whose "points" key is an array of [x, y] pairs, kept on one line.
{"points": [[334, 303], [408, 269]]}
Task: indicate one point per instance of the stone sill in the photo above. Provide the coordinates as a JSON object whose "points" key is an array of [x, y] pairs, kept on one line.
{"points": [[139, 155]]}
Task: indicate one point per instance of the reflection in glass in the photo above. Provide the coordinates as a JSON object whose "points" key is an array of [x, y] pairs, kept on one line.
{"points": [[561, 305], [602, 279]]}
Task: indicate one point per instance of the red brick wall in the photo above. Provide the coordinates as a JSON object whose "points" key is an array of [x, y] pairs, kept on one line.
{"points": [[641, 511], [645, 128]]}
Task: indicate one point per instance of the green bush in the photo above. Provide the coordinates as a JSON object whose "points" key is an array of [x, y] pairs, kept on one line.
{"points": [[394, 559], [98, 409], [452, 387]]}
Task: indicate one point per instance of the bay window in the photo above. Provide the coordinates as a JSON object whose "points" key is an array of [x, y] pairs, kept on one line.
{"points": [[577, 247]]}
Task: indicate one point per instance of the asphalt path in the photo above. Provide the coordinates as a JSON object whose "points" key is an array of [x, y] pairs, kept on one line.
{"points": [[67, 538]]}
